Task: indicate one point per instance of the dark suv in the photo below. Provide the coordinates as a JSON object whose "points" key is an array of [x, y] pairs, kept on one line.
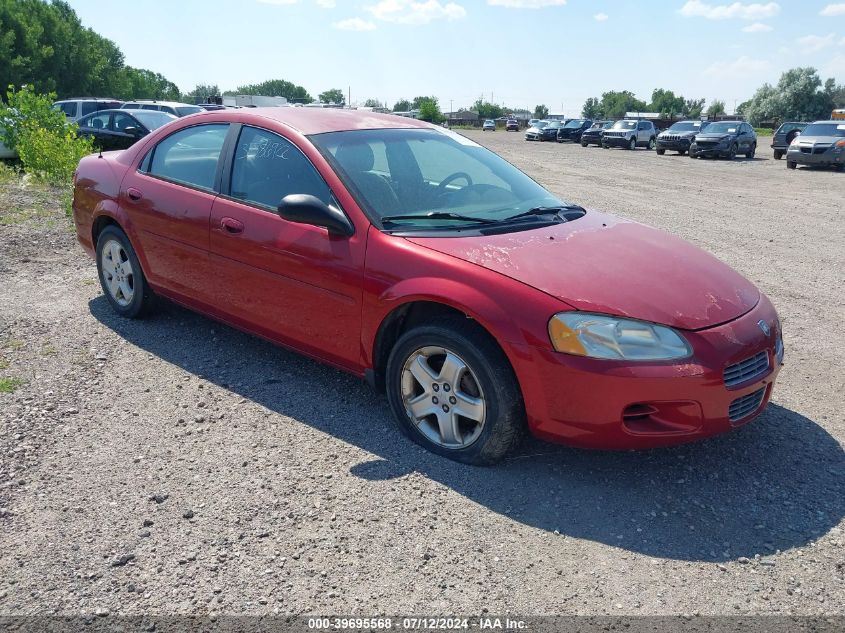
{"points": [[784, 135], [725, 139], [679, 137], [573, 130], [594, 134]]}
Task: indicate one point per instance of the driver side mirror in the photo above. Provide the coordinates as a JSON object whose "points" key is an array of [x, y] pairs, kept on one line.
{"points": [[303, 208], [132, 130]]}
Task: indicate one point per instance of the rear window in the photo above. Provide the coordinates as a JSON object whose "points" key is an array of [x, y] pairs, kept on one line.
{"points": [[186, 110]]}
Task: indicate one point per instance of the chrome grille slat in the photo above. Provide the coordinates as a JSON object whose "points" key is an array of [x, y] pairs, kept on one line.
{"points": [[746, 369], [746, 405]]}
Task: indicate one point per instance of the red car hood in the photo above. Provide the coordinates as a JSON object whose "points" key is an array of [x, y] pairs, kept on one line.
{"points": [[601, 263]]}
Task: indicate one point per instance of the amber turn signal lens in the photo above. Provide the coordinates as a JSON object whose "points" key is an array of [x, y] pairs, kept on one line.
{"points": [[564, 339]]}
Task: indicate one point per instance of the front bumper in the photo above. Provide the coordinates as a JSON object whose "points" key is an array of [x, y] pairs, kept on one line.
{"points": [[615, 141], [673, 145], [719, 151], [532, 137], [621, 405], [593, 139], [829, 157]]}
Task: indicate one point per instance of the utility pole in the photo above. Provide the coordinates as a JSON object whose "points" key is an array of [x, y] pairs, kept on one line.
{"points": [[349, 96]]}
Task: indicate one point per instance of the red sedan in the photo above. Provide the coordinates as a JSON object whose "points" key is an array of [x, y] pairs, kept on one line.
{"points": [[411, 256]]}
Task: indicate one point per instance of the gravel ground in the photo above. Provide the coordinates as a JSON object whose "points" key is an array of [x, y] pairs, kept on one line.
{"points": [[175, 466]]}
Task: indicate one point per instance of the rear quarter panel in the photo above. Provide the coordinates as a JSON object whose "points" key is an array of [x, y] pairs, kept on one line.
{"points": [[95, 193]]}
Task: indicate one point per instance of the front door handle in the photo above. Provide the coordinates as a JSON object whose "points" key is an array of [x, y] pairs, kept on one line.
{"points": [[232, 226], [134, 194]]}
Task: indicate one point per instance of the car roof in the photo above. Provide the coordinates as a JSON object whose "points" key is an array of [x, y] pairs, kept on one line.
{"points": [[309, 121], [166, 103], [836, 121]]}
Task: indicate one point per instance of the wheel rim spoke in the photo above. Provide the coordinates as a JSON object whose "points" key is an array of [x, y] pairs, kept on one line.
{"points": [[420, 407], [422, 372], [114, 285], [469, 407], [447, 424], [452, 370]]}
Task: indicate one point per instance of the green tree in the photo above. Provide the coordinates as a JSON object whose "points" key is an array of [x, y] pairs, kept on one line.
{"points": [[592, 109], [798, 96], [487, 110], [335, 95], [372, 103], [716, 108], [202, 92], [666, 103], [614, 104], [416, 104], [274, 88], [430, 111], [541, 111], [693, 108], [403, 105]]}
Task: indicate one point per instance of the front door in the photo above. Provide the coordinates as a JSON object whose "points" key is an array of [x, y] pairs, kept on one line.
{"points": [[293, 283]]}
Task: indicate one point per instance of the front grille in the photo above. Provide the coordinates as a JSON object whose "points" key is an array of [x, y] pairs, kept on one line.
{"points": [[672, 137], [820, 149], [707, 144], [806, 150], [746, 405], [746, 369], [615, 134]]}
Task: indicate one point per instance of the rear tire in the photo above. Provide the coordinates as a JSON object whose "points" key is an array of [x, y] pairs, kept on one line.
{"points": [[652, 143], [778, 154], [120, 274], [750, 153], [660, 152], [451, 364]]}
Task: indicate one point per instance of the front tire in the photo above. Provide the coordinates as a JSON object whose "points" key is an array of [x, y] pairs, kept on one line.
{"points": [[660, 152], [791, 164], [750, 153], [632, 145], [732, 152], [652, 143], [120, 274], [452, 390], [583, 145]]}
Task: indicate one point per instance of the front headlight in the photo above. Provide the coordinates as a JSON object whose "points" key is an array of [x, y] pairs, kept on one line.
{"points": [[615, 338]]}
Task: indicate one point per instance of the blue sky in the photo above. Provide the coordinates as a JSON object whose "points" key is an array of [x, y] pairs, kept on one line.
{"points": [[517, 52]]}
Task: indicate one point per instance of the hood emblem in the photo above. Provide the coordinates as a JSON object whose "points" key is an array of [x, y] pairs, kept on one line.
{"points": [[764, 327]]}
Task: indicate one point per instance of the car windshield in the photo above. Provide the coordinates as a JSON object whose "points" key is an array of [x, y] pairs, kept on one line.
{"points": [[153, 120], [186, 110], [824, 129], [554, 124], [723, 127], [686, 126], [414, 172], [625, 125], [575, 123], [489, 122]]}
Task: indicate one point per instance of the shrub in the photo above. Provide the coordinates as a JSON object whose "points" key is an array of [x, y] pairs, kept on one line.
{"points": [[47, 144]]}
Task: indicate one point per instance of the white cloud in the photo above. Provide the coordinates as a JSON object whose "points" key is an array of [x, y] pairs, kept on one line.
{"points": [[757, 27], [526, 4], [326, 4], [600, 17], [411, 12], [737, 68], [833, 9], [354, 24], [739, 10], [815, 43], [278, 1]]}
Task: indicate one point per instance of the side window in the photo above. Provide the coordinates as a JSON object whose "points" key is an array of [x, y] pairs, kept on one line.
{"points": [[122, 121], [96, 121], [149, 106], [88, 107], [190, 156], [268, 167], [69, 108]]}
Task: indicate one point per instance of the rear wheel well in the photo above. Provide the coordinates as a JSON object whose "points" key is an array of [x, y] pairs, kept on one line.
{"points": [[400, 321], [99, 224]]}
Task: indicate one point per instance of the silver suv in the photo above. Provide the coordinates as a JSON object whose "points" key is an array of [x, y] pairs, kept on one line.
{"points": [[630, 134], [77, 108], [171, 107]]}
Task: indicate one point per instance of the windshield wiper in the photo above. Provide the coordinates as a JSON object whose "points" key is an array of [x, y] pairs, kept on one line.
{"points": [[543, 211], [437, 215]]}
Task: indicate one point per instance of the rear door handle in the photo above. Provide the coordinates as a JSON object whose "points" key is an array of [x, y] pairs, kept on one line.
{"points": [[232, 226], [134, 194]]}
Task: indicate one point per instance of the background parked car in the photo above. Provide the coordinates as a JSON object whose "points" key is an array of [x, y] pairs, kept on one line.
{"points": [[821, 143], [512, 125], [120, 129], [679, 137], [784, 136], [75, 109], [593, 135], [171, 107], [489, 124], [630, 134], [534, 122], [549, 131], [535, 131], [573, 129], [725, 139]]}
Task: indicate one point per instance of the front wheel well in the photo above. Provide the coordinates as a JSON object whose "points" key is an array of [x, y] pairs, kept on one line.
{"points": [[402, 319]]}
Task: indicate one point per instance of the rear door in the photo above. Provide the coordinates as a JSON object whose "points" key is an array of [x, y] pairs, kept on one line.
{"points": [[169, 200], [293, 283]]}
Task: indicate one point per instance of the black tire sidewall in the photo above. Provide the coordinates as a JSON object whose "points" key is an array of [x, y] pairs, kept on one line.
{"points": [[503, 400], [141, 299]]}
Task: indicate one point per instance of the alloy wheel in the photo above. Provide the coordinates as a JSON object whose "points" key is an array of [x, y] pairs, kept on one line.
{"points": [[443, 397], [118, 273]]}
